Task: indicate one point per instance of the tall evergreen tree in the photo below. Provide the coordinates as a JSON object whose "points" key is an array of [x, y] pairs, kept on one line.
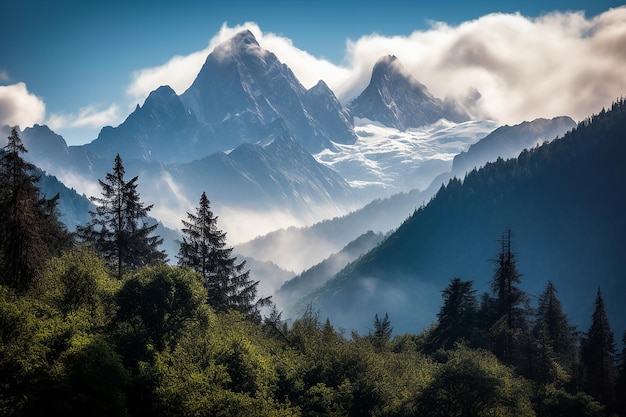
{"points": [[552, 321], [598, 356], [457, 318], [511, 305], [29, 227], [204, 249], [118, 228]]}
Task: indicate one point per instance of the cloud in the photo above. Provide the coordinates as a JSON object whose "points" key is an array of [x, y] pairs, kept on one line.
{"points": [[20, 107], [89, 116], [561, 63], [180, 71]]}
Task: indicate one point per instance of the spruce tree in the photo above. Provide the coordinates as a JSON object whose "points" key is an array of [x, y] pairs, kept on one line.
{"points": [[119, 228], [204, 249], [598, 356], [29, 227]]}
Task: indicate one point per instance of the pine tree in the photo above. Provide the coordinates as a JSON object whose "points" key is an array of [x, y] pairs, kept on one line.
{"points": [[457, 318], [118, 228], [204, 249], [30, 229], [598, 356]]}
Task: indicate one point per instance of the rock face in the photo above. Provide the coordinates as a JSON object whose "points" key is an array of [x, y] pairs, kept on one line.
{"points": [[396, 99]]}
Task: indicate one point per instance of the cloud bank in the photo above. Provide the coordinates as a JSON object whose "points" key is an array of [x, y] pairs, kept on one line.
{"points": [[561, 63]]}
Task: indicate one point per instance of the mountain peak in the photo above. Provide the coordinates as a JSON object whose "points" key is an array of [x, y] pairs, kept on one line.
{"points": [[245, 37], [389, 69], [243, 41], [396, 99]]}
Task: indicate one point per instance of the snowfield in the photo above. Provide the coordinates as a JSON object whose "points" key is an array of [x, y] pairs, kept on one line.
{"points": [[385, 160]]}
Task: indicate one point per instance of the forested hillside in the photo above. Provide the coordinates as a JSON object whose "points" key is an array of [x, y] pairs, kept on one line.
{"points": [[564, 202]]}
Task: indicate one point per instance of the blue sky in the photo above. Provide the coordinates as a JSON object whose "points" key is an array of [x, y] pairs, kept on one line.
{"points": [[78, 60]]}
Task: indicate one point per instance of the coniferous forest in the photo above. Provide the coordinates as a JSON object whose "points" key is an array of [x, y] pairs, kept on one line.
{"points": [[99, 322]]}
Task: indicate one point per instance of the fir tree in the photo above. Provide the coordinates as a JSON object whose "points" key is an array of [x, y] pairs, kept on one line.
{"points": [[118, 228], [598, 356], [204, 249], [30, 229]]}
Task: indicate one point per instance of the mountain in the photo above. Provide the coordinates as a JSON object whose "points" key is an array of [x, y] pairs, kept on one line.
{"points": [[508, 141], [504, 142], [565, 204], [163, 129], [396, 99], [275, 173], [242, 87], [240, 91], [419, 157]]}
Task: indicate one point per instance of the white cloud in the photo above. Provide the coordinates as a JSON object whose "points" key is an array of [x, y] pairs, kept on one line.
{"points": [[90, 117], [20, 107], [561, 63]]}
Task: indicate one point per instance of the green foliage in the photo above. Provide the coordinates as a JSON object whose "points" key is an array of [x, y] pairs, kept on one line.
{"points": [[92, 378], [557, 402], [78, 281], [154, 304], [474, 383]]}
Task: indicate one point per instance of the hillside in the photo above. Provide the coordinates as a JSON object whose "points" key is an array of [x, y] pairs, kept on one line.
{"points": [[564, 202]]}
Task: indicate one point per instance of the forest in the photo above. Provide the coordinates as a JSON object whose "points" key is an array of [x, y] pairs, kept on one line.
{"points": [[100, 322]]}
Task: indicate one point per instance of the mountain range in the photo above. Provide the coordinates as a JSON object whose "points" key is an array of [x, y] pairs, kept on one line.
{"points": [[271, 153]]}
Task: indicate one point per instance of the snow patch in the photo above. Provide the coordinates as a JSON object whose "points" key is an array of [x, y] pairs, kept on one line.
{"points": [[386, 160]]}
